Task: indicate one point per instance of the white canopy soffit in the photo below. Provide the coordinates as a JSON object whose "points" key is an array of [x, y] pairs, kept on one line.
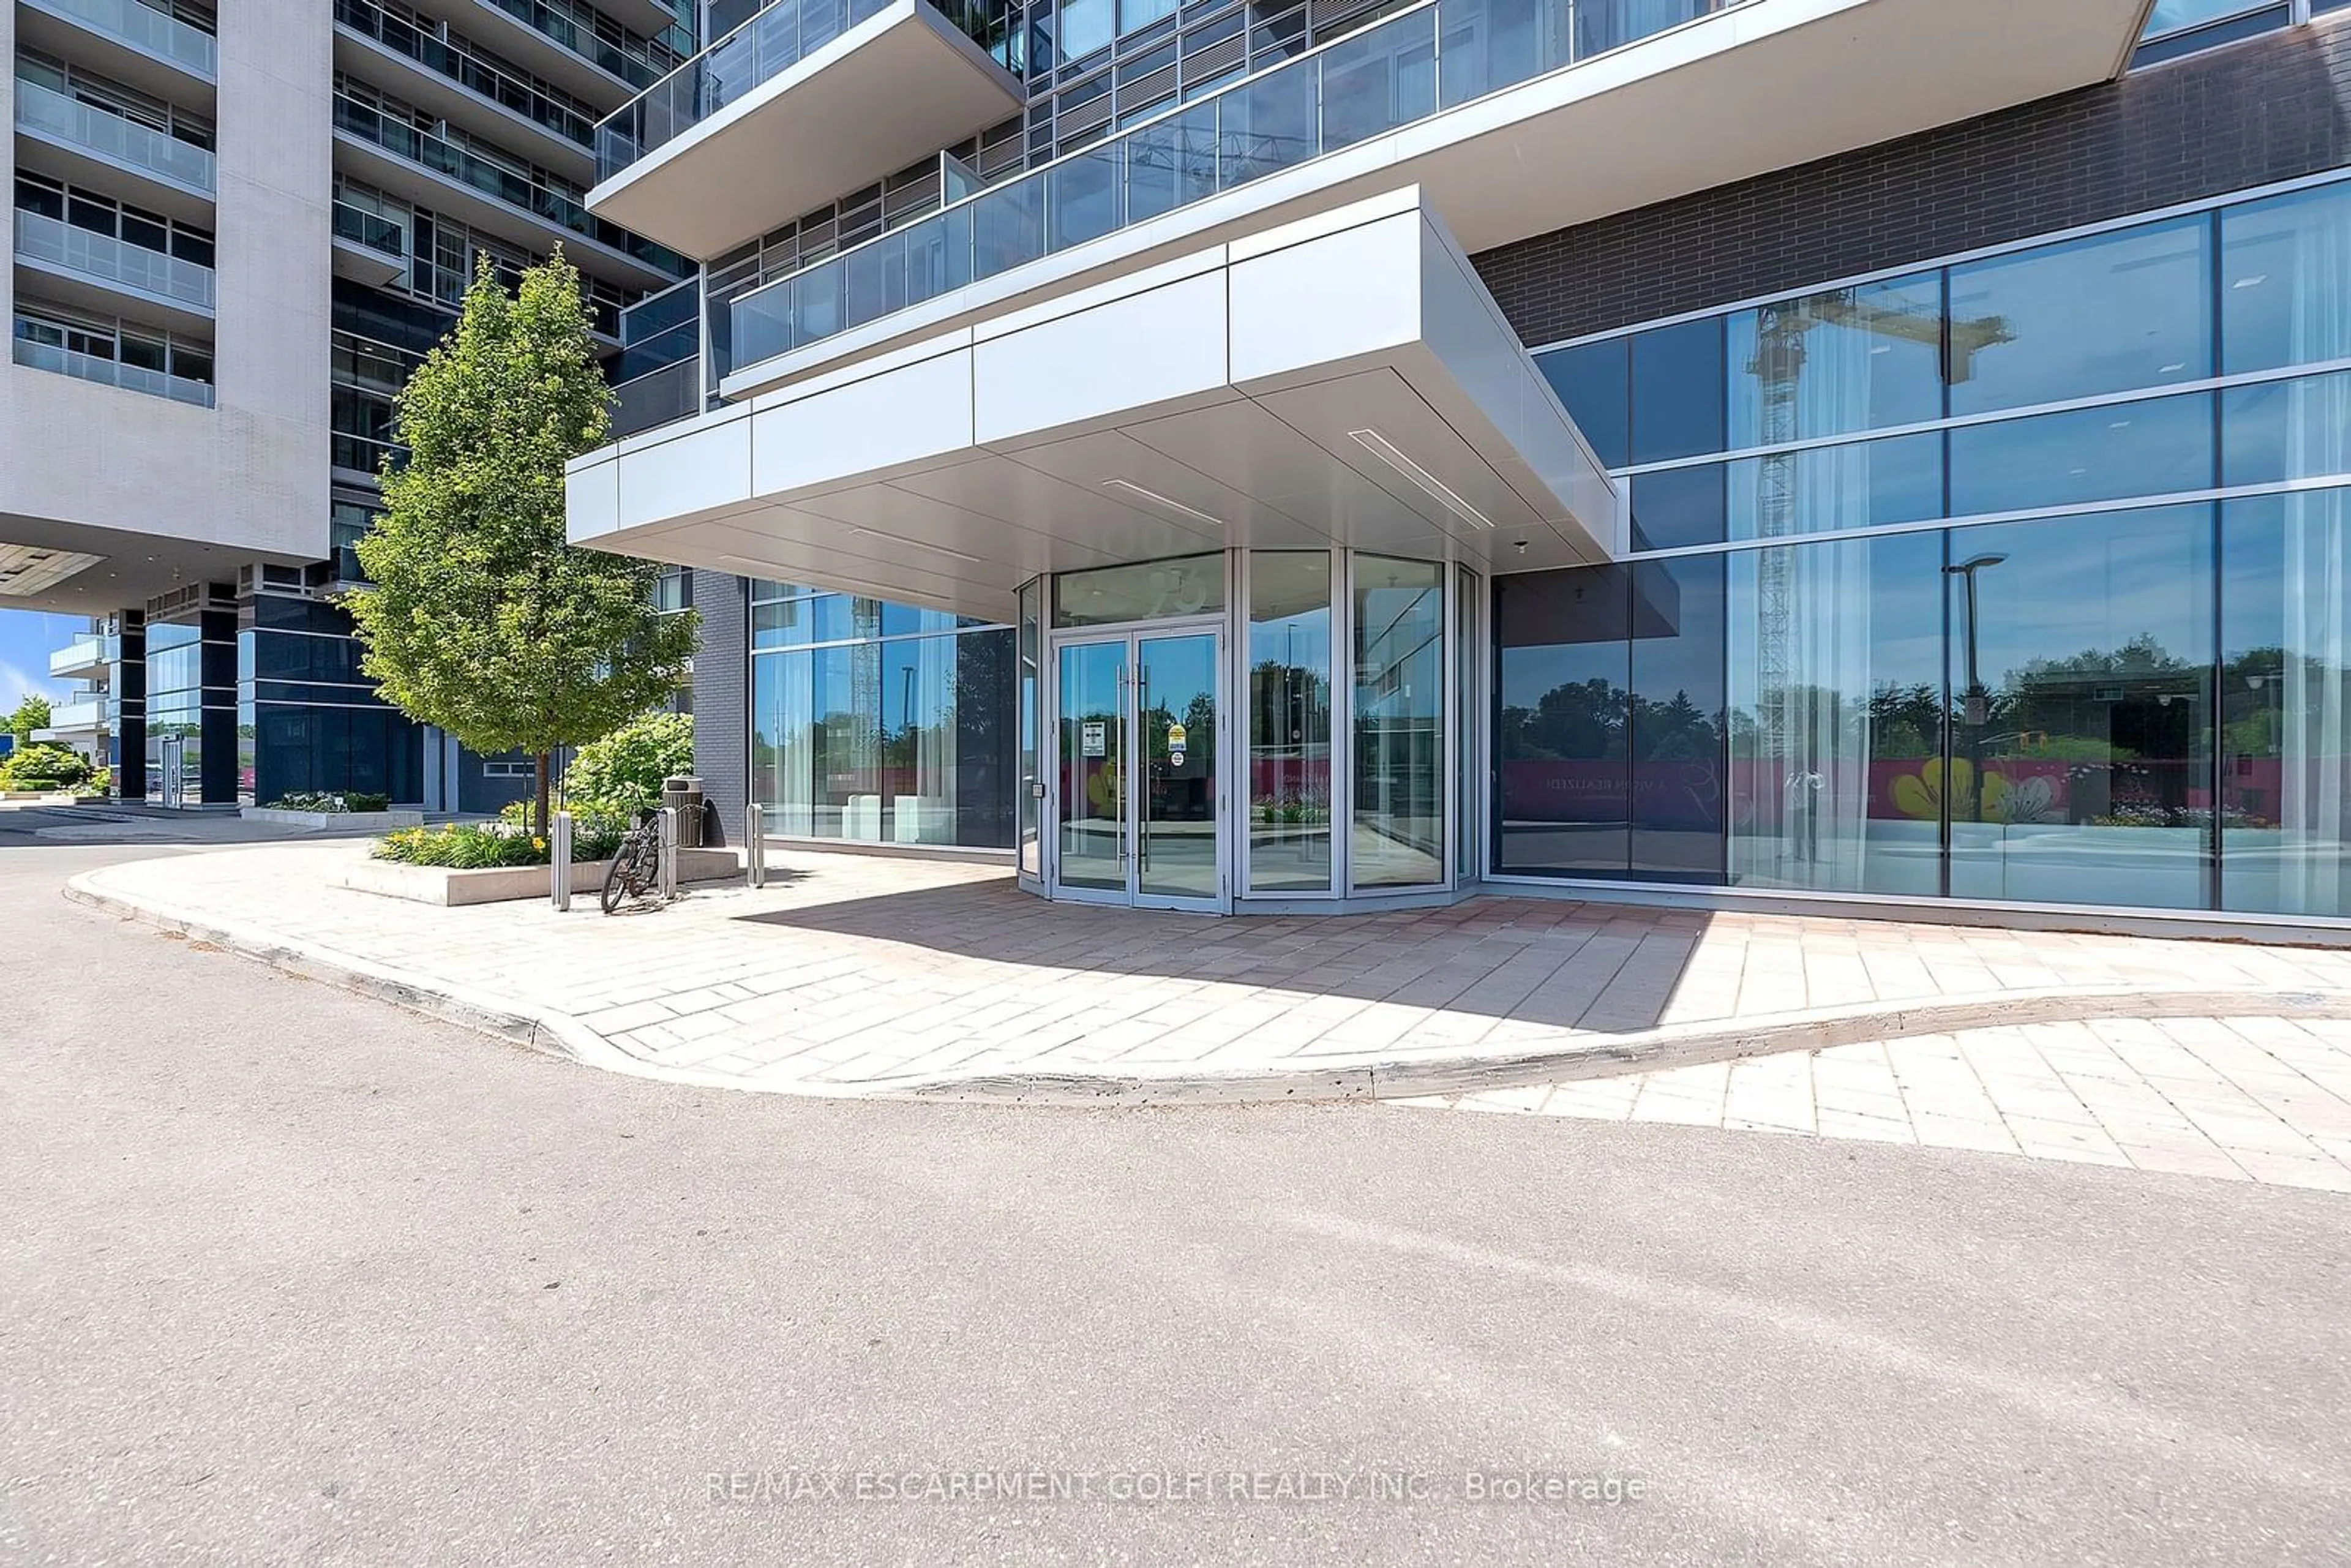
{"points": [[1345, 381]]}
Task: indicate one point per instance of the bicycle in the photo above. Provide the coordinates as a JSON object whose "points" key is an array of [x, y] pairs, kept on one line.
{"points": [[635, 870]]}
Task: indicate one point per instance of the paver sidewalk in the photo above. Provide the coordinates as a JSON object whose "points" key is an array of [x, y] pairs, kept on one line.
{"points": [[2243, 1099], [857, 974]]}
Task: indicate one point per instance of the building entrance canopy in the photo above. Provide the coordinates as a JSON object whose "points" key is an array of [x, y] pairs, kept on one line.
{"points": [[1342, 382]]}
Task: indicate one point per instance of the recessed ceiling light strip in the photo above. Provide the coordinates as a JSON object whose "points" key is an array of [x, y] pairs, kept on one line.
{"points": [[1381, 447], [1131, 487]]}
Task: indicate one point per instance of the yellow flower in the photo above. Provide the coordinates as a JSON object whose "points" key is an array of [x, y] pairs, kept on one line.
{"points": [[538, 843], [1921, 795]]}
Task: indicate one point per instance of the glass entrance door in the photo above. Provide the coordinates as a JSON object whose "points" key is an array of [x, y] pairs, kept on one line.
{"points": [[1138, 798], [1178, 835], [1090, 837]]}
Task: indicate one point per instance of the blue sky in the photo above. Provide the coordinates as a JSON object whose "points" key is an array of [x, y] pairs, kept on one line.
{"points": [[27, 637]]}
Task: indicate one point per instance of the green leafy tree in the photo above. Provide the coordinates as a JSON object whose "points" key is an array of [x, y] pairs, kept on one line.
{"points": [[622, 771], [478, 617], [32, 713]]}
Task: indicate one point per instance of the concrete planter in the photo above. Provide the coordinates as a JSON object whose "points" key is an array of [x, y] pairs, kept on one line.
{"points": [[501, 884], [334, 822]]}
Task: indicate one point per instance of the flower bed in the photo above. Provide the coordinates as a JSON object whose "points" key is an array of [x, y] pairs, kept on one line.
{"points": [[481, 846], [348, 811]]}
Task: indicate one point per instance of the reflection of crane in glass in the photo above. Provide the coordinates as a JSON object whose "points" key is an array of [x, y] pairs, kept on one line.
{"points": [[1778, 368]]}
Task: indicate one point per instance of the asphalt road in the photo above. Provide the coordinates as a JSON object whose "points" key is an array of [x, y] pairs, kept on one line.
{"points": [[286, 1273]]}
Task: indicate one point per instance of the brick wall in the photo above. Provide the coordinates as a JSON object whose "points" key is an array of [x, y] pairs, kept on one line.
{"points": [[2271, 109], [722, 696]]}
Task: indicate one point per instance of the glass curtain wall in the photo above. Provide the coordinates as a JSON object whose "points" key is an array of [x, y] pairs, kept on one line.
{"points": [[1397, 837], [880, 722], [2113, 689], [1289, 661]]}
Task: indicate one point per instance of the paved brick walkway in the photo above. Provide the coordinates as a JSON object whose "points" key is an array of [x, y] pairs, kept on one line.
{"points": [[860, 975], [2244, 1099]]}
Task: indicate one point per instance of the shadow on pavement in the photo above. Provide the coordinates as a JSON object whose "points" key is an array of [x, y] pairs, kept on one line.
{"points": [[1606, 967]]}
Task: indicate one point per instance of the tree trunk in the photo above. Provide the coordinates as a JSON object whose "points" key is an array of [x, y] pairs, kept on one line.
{"points": [[544, 824]]}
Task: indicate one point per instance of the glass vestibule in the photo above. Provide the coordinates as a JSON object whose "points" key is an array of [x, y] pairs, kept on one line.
{"points": [[1328, 787]]}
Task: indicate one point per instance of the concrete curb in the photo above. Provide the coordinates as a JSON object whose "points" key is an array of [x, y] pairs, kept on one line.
{"points": [[1366, 1076]]}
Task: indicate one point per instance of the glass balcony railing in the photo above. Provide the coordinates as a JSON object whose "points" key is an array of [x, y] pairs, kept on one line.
{"points": [[778, 37], [638, 67], [363, 453], [142, 28], [404, 38], [1439, 55], [74, 717], [110, 136], [112, 372], [81, 653], [657, 397], [430, 152], [110, 260], [371, 231]]}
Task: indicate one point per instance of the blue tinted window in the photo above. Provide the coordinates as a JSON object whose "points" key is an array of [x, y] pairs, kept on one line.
{"points": [[1562, 669], [1839, 362], [1677, 732], [1830, 489], [1593, 381], [2287, 430], [2082, 689], [2286, 273], [1677, 392], [2106, 314], [2153, 448], [1678, 506], [2285, 705]]}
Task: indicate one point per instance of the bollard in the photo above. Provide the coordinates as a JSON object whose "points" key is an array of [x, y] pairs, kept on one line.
{"points": [[668, 853], [755, 846], [559, 862]]}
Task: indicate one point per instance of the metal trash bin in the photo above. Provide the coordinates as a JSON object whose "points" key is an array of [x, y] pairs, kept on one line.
{"points": [[683, 792]]}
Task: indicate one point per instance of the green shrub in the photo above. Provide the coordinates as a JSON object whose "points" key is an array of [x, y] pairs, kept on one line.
{"points": [[624, 772], [43, 764], [332, 802], [473, 846]]}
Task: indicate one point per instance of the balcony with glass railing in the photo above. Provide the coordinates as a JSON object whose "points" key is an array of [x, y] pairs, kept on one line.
{"points": [[369, 247], [657, 376], [850, 87], [413, 43], [87, 128], [447, 159], [638, 64], [779, 38], [112, 372], [371, 231], [82, 656], [103, 258], [81, 714], [141, 27], [1508, 168], [1382, 79]]}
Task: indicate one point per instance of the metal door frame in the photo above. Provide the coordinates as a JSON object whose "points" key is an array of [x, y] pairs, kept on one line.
{"points": [[1132, 634], [173, 785]]}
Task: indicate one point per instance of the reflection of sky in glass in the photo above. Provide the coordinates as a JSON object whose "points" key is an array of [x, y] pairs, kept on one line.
{"points": [[2089, 583], [2099, 315]]}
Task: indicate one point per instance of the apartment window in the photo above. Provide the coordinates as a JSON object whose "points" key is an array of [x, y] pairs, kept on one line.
{"points": [[112, 96], [86, 210], [96, 337]]}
